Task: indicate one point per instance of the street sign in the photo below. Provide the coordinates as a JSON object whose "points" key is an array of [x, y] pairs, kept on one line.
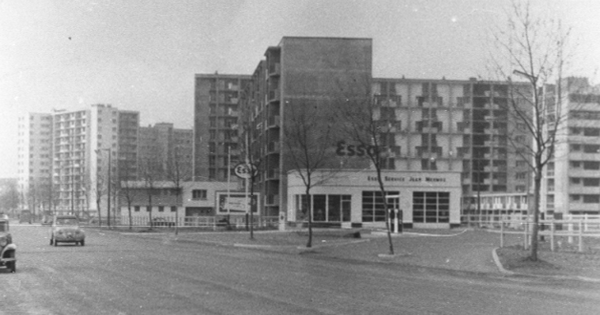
{"points": [[244, 170]]}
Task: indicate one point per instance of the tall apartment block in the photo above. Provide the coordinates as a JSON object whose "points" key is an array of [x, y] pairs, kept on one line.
{"points": [[64, 159], [300, 71], [129, 123], [216, 114], [571, 183], [34, 161], [445, 125], [83, 141], [168, 146], [454, 125]]}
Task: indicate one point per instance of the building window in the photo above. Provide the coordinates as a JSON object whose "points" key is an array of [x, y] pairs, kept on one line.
{"points": [[591, 198], [591, 182], [431, 207], [373, 206], [148, 208], [173, 208], [136, 209], [326, 208], [199, 194], [161, 209]]}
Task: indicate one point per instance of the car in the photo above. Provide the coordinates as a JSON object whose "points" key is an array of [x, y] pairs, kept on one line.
{"points": [[8, 249], [65, 229], [162, 222], [25, 216]]}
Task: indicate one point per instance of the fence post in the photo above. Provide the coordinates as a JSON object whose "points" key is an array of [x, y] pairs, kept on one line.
{"points": [[525, 243], [570, 237], [502, 234], [580, 236], [552, 234]]}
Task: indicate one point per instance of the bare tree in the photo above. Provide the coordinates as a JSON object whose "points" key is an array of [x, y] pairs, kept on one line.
{"points": [[151, 171], [309, 142], [178, 170], [370, 124], [536, 49]]}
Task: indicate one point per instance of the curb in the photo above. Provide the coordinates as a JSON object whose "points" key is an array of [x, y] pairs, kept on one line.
{"points": [[512, 273]]}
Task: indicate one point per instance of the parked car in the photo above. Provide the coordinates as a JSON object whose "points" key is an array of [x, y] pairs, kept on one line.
{"points": [[25, 216], [8, 250], [162, 222], [65, 229]]}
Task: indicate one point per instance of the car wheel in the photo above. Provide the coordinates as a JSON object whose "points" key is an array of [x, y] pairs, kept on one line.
{"points": [[51, 241], [82, 242], [12, 266], [55, 243]]}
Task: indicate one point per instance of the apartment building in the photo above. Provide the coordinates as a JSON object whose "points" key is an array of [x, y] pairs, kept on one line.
{"points": [[34, 161], [168, 149], [216, 114], [129, 123], [571, 183], [65, 157]]}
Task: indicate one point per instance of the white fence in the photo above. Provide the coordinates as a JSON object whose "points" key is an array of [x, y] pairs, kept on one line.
{"points": [[193, 222], [585, 230]]}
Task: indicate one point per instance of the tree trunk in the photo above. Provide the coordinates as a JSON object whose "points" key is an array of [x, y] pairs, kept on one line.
{"points": [[99, 213], [387, 214], [536, 211], [308, 210], [130, 217]]}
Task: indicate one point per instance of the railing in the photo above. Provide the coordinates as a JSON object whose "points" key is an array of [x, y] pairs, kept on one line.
{"points": [[558, 234], [208, 222]]}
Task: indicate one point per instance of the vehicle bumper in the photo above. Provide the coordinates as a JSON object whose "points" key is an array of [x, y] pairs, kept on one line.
{"points": [[8, 254]]}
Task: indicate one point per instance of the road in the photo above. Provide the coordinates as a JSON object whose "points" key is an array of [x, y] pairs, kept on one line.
{"points": [[124, 274]]}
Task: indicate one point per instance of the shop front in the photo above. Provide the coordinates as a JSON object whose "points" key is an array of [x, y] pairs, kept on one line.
{"points": [[351, 198]]}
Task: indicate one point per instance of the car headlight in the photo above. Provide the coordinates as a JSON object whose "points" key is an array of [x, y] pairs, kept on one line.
{"points": [[3, 241]]}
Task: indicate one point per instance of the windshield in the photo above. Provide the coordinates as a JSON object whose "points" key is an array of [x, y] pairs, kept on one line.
{"points": [[66, 221]]}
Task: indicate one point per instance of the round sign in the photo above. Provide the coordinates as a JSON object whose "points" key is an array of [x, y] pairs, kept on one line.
{"points": [[244, 170]]}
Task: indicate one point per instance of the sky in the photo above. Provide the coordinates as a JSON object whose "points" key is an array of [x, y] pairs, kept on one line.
{"points": [[143, 55]]}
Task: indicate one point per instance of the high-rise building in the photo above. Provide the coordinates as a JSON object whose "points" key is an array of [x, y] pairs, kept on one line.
{"points": [[65, 157], [129, 123], [216, 113], [571, 182], [34, 161], [439, 125], [168, 148]]}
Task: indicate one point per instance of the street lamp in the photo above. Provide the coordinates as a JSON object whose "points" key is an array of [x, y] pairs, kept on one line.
{"points": [[108, 183]]}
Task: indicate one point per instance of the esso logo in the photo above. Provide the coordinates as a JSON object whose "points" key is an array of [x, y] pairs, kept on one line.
{"points": [[344, 149]]}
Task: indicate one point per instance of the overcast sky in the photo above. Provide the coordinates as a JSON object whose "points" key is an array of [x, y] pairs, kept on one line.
{"points": [[142, 55]]}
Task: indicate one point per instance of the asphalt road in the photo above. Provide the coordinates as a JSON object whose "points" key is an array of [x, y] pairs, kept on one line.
{"points": [[123, 274]]}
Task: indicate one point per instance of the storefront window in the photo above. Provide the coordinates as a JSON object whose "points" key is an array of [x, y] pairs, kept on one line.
{"points": [[431, 207], [319, 208], [326, 208], [373, 206]]}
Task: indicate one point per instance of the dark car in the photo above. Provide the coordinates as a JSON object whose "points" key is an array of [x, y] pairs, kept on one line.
{"points": [[162, 222], [8, 250], [25, 216]]}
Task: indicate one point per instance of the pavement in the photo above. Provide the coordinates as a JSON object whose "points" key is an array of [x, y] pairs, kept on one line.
{"points": [[460, 250]]}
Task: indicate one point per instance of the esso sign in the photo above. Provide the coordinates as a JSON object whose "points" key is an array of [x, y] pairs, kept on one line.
{"points": [[244, 170], [344, 149]]}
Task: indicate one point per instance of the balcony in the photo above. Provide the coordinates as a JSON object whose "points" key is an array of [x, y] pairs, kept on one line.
{"points": [[274, 121], [273, 173], [274, 69], [273, 147], [273, 95]]}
